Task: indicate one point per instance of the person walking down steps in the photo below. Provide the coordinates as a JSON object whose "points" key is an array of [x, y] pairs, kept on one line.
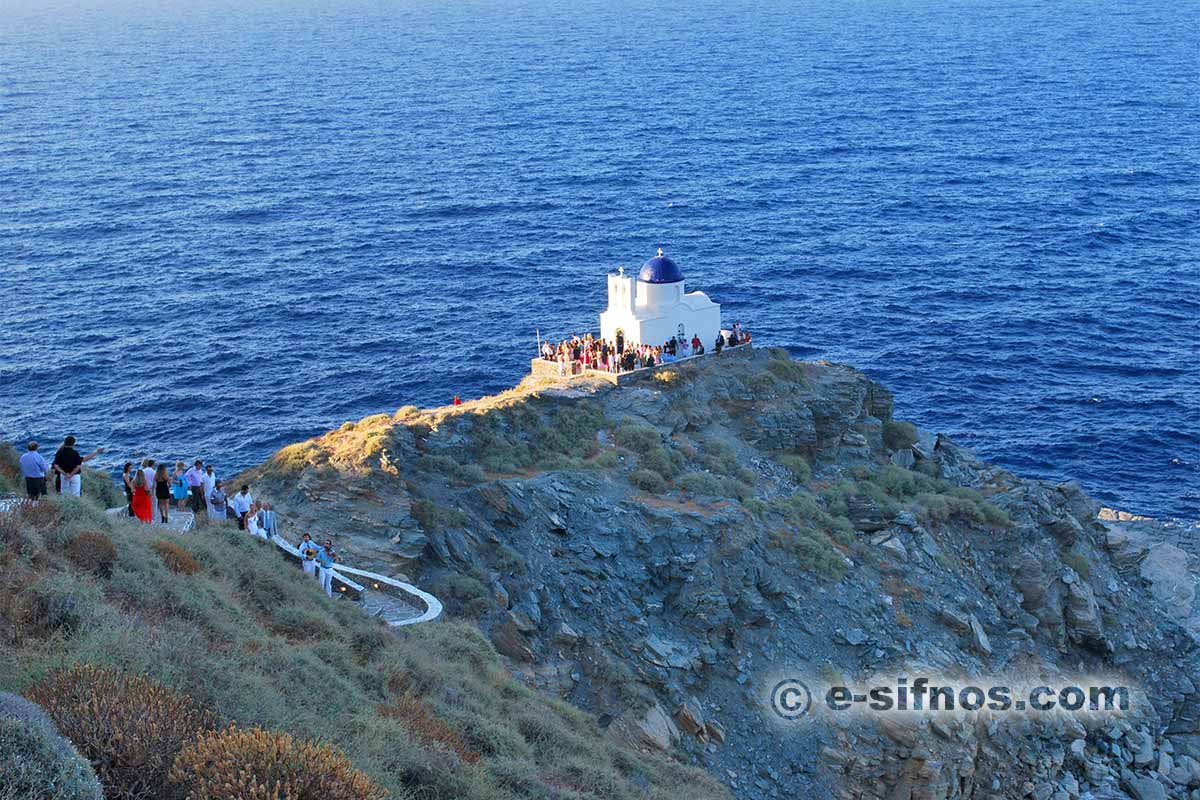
{"points": [[308, 555], [325, 559]]}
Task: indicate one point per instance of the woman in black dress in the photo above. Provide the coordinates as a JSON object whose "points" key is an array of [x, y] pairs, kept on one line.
{"points": [[162, 492], [127, 482]]}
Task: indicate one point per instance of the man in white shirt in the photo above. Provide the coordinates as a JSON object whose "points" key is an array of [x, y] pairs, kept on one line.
{"points": [[242, 501], [208, 481]]}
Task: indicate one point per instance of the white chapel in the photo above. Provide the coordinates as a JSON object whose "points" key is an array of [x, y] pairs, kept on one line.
{"points": [[654, 307]]}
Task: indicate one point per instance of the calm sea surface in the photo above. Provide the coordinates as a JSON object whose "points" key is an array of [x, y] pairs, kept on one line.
{"points": [[227, 226]]}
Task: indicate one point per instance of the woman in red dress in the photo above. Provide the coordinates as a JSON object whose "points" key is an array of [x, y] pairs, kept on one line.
{"points": [[142, 505]]}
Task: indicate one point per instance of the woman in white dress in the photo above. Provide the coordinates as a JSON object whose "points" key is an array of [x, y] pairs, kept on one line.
{"points": [[252, 523]]}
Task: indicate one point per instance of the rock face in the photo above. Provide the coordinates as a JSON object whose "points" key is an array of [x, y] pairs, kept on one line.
{"points": [[662, 554]]}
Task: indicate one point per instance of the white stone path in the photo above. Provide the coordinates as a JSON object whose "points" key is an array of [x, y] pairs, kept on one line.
{"points": [[395, 602]]}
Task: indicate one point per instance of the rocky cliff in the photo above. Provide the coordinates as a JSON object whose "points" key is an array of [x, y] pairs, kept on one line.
{"points": [[660, 553]]}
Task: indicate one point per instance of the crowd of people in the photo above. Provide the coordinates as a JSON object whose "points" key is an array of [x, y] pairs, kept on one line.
{"points": [[577, 354], [152, 489]]}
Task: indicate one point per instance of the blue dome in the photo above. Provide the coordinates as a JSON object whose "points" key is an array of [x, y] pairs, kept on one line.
{"points": [[660, 269]]}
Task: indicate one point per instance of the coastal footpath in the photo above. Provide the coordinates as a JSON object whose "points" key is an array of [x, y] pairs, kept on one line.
{"points": [[629, 572], [657, 553]]}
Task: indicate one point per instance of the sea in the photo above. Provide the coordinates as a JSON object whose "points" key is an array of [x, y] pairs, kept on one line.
{"points": [[228, 226]]}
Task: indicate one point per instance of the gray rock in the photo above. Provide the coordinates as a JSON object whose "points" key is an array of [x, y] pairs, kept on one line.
{"points": [[1143, 787], [689, 716], [855, 636], [410, 544], [896, 548], [652, 731], [979, 637], [1082, 615]]}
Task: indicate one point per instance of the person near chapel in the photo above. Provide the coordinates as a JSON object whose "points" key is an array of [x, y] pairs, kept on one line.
{"points": [[34, 469], [68, 467]]}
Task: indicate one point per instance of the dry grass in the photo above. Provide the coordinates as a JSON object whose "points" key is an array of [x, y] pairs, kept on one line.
{"points": [[428, 728]]}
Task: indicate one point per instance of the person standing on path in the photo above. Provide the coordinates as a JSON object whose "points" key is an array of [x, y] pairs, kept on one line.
{"points": [[242, 502], [194, 478], [267, 520], [127, 482], [149, 472], [218, 503], [34, 469], [142, 507], [162, 493], [179, 487], [209, 482], [325, 559], [68, 467], [308, 553]]}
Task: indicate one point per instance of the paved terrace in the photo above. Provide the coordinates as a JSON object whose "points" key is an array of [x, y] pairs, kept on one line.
{"points": [[541, 368]]}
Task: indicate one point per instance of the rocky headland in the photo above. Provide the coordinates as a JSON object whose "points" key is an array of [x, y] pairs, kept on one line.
{"points": [[656, 554]]}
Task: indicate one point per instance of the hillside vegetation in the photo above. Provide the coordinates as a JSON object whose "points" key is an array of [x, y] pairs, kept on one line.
{"points": [[427, 712], [660, 553]]}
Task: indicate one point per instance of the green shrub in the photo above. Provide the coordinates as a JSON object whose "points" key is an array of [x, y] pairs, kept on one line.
{"points": [[571, 432], [456, 473], [648, 481], [813, 551], [803, 510], [253, 764], [638, 438], [835, 497], [1078, 562], [93, 552], [784, 368], [899, 435], [510, 561], [606, 460], [38, 764], [961, 503], [797, 465], [101, 487], [719, 458], [464, 594], [904, 484], [839, 530], [10, 469], [434, 518], [757, 506], [705, 483], [658, 459], [129, 727], [873, 492]]}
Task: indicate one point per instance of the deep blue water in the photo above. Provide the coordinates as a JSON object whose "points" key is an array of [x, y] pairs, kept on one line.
{"points": [[227, 226]]}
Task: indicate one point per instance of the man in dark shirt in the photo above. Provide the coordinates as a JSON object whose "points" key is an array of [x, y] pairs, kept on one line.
{"points": [[68, 467]]}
